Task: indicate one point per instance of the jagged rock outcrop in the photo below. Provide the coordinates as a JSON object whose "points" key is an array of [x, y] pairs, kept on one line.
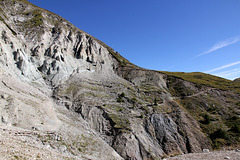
{"points": [[53, 45], [57, 78]]}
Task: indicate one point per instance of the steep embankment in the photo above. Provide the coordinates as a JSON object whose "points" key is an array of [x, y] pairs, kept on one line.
{"points": [[83, 100]]}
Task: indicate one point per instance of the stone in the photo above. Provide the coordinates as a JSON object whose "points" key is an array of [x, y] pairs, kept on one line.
{"points": [[63, 149], [4, 96], [205, 150], [35, 128]]}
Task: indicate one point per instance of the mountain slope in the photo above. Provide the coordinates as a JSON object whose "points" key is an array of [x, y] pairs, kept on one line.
{"points": [[75, 97], [208, 80]]}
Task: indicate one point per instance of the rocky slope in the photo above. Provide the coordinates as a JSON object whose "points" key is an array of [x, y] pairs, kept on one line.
{"points": [[237, 79], [69, 95]]}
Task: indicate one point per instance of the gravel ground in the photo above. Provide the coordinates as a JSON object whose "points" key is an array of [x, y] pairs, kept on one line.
{"points": [[218, 155], [25, 145]]}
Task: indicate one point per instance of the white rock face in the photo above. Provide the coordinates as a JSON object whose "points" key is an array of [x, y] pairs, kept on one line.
{"points": [[14, 60], [32, 61], [57, 51]]}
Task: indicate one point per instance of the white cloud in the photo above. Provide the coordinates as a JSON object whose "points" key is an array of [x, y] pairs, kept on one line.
{"points": [[230, 75], [220, 45], [228, 72], [223, 67]]}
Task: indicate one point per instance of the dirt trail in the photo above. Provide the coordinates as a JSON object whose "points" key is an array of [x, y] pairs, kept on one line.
{"points": [[202, 92]]}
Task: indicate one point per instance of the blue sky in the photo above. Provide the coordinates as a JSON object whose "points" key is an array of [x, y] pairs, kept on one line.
{"points": [[169, 35]]}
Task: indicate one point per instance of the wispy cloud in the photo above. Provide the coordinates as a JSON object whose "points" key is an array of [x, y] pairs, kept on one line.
{"points": [[220, 45], [223, 67], [228, 72], [231, 74]]}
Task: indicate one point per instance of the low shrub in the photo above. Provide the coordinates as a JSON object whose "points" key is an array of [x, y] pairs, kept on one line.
{"points": [[206, 119], [220, 133], [236, 128]]}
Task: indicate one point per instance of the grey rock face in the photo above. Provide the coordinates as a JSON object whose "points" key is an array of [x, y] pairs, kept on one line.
{"points": [[166, 131]]}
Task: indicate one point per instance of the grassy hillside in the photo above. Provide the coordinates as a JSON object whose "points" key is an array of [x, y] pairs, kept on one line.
{"points": [[208, 80], [216, 111]]}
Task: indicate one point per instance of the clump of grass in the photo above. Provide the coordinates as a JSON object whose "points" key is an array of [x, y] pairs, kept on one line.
{"points": [[220, 137], [36, 20], [206, 119], [141, 116], [236, 128], [155, 101], [220, 133], [120, 97], [72, 89], [85, 143], [133, 101], [121, 122]]}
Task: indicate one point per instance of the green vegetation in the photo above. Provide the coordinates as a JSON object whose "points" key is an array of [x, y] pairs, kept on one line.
{"points": [[29, 3], [149, 87], [233, 124], [207, 79], [121, 122], [85, 143], [119, 100], [141, 116], [119, 58], [236, 128], [133, 101], [113, 107], [220, 138], [72, 89], [178, 88], [206, 119], [120, 97], [220, 133], [155, 101], [36, 20], [213, 112]]}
